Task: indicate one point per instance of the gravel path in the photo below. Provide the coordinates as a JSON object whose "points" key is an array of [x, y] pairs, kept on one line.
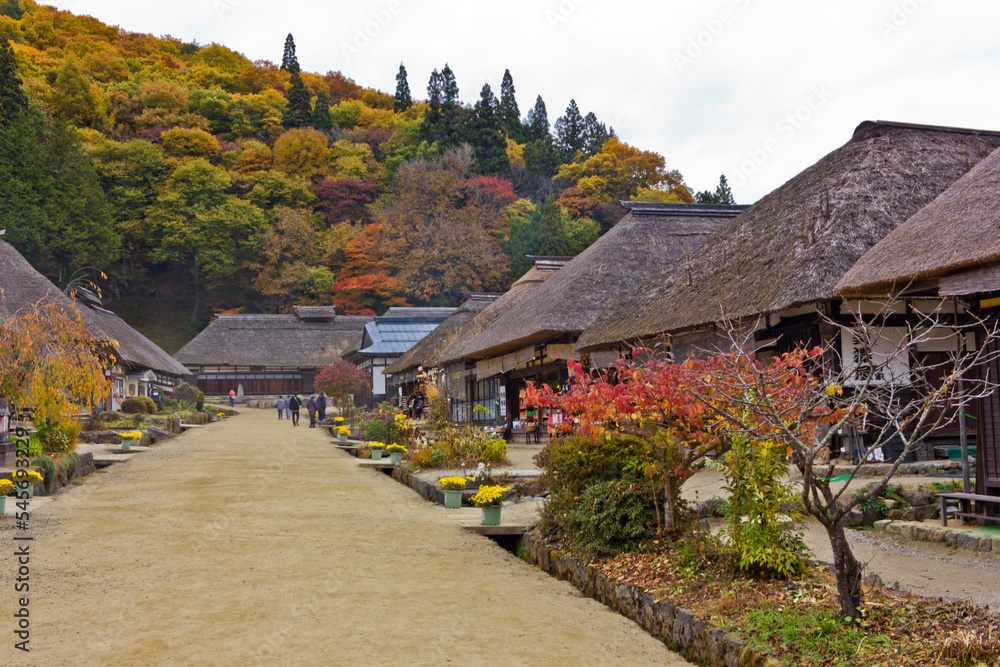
{"points": [[250, 542]]}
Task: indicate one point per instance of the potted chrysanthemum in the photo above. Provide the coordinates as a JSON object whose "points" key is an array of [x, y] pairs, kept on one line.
{"points": [[342, 432], [490, 500], [396, 452], [22, 475], [6, 486], [130, 438], [452, 487], [376, 448]]}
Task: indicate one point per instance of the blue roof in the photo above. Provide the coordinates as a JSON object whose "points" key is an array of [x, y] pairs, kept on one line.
{"points": [[396, 335]]}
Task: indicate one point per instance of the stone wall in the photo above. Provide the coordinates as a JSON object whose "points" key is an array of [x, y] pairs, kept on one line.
{"points": [[697, 639]]}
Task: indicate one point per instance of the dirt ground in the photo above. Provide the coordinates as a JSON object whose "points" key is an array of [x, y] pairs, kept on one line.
{"points": [[250, 542]]}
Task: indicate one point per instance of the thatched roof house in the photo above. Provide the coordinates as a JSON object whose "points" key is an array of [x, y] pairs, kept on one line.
{"points": [[949, 248], [511, 301], [649, 237], [791, 248], [142, 366], [269, 354], [427, 352], [22, 285], [937, 248], [388, 337]]}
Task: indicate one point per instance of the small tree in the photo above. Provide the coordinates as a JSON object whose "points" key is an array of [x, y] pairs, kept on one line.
{"points": [[340, 379], [805, 398], [652, 400], [51, 363]]}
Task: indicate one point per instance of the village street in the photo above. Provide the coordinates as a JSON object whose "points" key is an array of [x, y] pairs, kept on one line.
{"points": [[250, 542]]}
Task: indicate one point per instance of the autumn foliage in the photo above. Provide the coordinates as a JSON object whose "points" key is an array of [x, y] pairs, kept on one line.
{"points": [[340, 379], [50, 363]]}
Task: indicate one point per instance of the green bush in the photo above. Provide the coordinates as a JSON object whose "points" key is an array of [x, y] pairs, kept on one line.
{"points": [[48, 466], [134, 406], [150, 404], [54, 437], [571, 464], [611, 516], [189, 396], [761, 503]]}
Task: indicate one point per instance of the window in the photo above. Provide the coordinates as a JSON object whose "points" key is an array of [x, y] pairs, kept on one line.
{"points": [[484, 396]]}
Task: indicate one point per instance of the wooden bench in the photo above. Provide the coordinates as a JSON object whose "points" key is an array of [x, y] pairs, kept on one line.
{"points": [[965, 500]]}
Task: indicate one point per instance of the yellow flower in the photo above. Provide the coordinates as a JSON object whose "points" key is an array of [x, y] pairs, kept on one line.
{"points": [[21, 474], [338, 419], [376, 445], [394, 448], [343, 430], [452, 483], [131, 435], [6, 486], [490, 495]]}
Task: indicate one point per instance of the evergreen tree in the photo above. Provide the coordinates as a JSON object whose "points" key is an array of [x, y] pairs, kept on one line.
{"points": [[289, 61], [569, 132], [321, 113], [594, 135], [509, 114], [537, 123], [431, 128], [298, 113], [489, 146], [402, 101], [13, 99], [722, 194], [540, 157], [452, 123]]}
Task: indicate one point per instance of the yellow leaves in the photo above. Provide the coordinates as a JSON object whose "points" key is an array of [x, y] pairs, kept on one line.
{"points": [[301, 152], [48, 362], [834, 389], [515, 153]]}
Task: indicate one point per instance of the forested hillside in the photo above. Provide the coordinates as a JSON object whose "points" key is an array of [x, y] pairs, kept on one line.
{"points": [[192, 173]]}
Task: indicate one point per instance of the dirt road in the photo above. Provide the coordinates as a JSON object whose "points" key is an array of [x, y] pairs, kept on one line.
{"points": [[250, 542]]}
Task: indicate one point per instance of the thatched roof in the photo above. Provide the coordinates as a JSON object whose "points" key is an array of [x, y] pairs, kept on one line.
{"points": [[427, 352], [511, 301], [792, 246], [134, 349], [272, 340], [22, 285], [649, 237], [959, 230]]}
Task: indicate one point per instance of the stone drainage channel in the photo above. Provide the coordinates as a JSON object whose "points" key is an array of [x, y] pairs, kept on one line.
{"points": [[678, 628]]}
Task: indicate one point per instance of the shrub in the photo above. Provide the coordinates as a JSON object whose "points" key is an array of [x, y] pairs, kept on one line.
{"points": [[48, 466], [461, 446], [134, 406], [612, 516], [573, 463], [54, 437], [189, 395], [760, 504], [150, 404]]}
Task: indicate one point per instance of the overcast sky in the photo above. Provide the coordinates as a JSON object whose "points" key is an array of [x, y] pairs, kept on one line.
{"points": [[756, 89]]}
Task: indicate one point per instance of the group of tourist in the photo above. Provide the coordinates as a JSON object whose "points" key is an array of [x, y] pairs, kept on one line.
{"points": [[315, 407]]}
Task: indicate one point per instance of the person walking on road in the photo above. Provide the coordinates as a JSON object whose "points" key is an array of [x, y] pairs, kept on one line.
{"points": [[311, 408], [293, 406], [321, 406], [232, 397], [280, 404]]}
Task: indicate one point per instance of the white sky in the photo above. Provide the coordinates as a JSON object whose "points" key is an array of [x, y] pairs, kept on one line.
{"points": [[709, 85]]}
